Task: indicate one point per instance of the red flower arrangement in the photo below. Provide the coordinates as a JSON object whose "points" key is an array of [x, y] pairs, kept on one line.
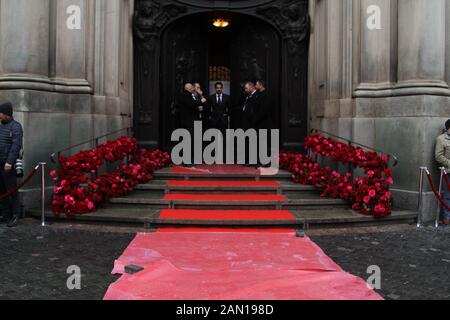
{"points": [[370, 195], [76, 193]]}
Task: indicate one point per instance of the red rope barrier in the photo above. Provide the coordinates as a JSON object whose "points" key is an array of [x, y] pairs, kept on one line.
{"points": [[447, 181], [11, 192], [433, 188]]}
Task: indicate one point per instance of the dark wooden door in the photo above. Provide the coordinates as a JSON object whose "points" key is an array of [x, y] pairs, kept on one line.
{"points": [[184, 58], [255, 55]]}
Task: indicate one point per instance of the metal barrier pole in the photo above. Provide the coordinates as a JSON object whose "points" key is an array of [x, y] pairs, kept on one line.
{"points": [[441, 181], [420, 204], [42, 165]]}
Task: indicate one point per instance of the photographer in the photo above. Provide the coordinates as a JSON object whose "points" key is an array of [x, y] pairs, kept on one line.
{"points": [[11, 142]]}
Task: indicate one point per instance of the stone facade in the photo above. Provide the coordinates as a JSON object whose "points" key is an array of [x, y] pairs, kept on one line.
{"points": [[67, 72], [384, 85], [378, 74]]}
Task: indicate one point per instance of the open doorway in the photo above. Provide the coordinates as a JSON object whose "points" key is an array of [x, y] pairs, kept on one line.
{"points": [[196, 51]]}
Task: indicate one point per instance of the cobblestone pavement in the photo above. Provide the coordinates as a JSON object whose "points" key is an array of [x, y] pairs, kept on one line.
{"points": [[414, 263], [34, 261]]}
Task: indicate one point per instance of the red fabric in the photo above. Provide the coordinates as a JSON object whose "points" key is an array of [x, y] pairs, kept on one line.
{"points": [[219, 183], [225, 230], [224, 197], [234, 215], [232, 266]]}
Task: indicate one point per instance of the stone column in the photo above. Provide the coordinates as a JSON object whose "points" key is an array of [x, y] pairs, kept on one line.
{"points": [[24, 37], [70, 39], [421, 62], [378, 47]]}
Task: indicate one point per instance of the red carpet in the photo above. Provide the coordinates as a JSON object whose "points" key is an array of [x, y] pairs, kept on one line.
{"points": [[218, 183], [224, 197], [226, 263], [228, 215], [232, 266], [207, 229]]}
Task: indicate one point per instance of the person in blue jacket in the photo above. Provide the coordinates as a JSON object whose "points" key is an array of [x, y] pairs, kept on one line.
{"points": [[11, 143]]}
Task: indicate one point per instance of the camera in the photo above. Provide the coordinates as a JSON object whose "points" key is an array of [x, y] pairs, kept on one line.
{"points": [[20, 171]]}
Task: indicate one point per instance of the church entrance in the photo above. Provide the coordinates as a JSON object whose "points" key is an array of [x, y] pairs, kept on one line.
{"points": [[176, 42], [196, 51]]}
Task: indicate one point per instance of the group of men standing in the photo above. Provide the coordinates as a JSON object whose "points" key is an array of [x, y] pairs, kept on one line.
{"points": [[253, 111]]}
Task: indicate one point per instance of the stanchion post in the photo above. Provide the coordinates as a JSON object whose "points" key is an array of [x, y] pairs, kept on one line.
{"points": [[420, 201], [42, 165], [441, 181]]}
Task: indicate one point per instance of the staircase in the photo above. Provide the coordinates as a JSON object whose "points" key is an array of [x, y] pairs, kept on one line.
{"points": [[185, 198]]}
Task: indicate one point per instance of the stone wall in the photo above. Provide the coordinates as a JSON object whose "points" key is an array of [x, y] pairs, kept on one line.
{"points": [[66, 66], [379, 76], [384, 87]]}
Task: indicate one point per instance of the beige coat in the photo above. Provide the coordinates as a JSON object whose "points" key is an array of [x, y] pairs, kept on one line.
{"points": [[442, 153]]}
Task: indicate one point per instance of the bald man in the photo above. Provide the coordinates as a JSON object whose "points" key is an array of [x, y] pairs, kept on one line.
{"points": [[189, 107]]}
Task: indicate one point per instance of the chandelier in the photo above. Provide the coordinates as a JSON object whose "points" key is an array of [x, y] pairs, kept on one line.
{"points": [[221, 23]]}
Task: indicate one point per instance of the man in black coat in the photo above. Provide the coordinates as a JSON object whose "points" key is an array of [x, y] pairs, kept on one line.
{"points": [[250, 105], [218, 109], [11, 142], [190, 106], [244, 115], [263, 118]]}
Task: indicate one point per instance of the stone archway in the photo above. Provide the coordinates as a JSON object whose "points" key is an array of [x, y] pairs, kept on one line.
{"points": [[289, 18]]}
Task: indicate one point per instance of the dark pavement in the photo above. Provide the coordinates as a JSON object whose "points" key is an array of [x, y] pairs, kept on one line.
{"points": [[34, 261], [414, 263]]}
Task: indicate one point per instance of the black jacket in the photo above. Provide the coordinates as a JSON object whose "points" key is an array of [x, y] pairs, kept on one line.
{"points": [[263, 118], [11, 142], [188, 110], [247, 112], [218, 113]]}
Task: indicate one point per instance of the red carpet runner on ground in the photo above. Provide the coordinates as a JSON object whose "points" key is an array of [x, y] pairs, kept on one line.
{"points": [[230, 264]]}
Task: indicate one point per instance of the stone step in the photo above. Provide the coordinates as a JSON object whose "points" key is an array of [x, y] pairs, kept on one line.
{"points": [[167, 174], [311, 202], [148, 217], [282, 187]]}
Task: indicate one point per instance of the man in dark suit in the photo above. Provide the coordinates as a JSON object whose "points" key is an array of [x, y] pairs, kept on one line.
{"points": [[245, 113], [219, 107], [200, 96], [190, 105], [263, 118], [250, 105]]}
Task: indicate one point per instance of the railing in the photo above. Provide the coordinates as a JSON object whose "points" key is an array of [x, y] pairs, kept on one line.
{"points": [[356, 144], [441, 203], [95, 141]]}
